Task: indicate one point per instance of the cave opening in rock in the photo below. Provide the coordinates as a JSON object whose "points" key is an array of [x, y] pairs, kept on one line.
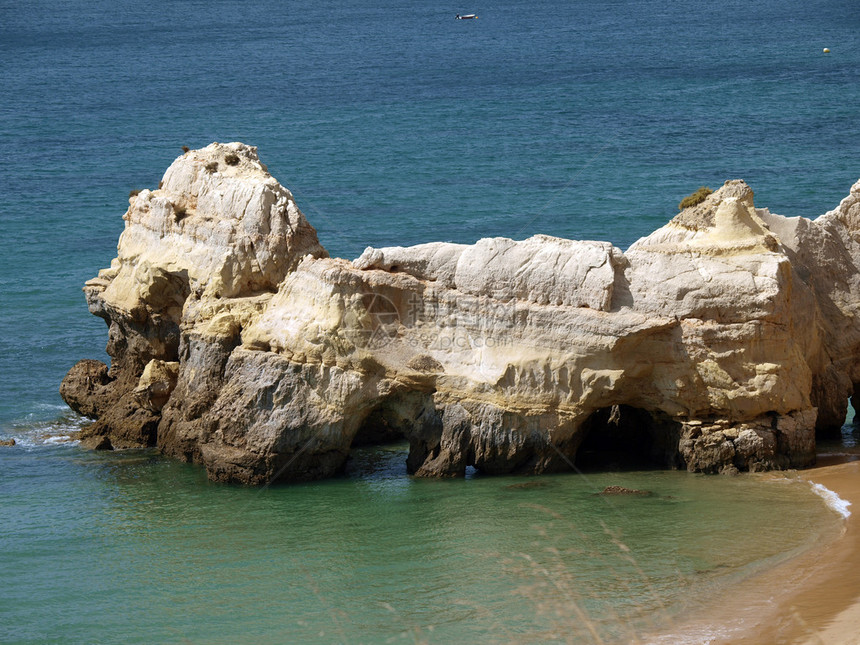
{"points": [[849, 433], [381, 426], [378, 448], [621, 437], [386, 435]]}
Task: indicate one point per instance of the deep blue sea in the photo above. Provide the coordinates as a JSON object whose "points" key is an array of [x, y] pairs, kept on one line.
{"points": [[392, 123]]}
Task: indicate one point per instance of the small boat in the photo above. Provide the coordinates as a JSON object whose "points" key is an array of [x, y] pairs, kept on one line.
{"points": [[468, 16]]}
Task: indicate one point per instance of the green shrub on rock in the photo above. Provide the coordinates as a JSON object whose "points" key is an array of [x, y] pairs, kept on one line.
{"points": [[696, 198]]}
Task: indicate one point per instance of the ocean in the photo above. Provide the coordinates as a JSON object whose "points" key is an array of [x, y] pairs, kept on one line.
{"points": [[393, 124]]}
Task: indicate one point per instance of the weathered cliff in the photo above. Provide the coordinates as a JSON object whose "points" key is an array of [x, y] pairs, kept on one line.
{"points": [[721, 341]]}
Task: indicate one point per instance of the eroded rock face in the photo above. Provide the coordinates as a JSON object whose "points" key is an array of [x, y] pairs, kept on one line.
{"points": [[206, 250], [718, 343]]}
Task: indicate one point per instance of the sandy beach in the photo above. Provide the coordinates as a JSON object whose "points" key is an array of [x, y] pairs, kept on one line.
{"points": [[813, 599], [826, 608]]}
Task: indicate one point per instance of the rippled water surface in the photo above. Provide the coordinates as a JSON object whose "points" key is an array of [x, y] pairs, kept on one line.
{"points": [[132, 547], [393, 124]]}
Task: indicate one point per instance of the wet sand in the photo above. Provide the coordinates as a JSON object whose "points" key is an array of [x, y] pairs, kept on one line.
{"points": [[813, 599], [827, 607]]}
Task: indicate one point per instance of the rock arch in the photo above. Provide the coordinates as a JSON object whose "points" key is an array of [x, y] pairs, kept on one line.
{"points": [[735, 330]]}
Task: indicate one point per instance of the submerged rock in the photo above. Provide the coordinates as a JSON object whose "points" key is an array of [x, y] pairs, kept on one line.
{"points": [[721, 341], [95, 441], [620, 490], [526, 486]]}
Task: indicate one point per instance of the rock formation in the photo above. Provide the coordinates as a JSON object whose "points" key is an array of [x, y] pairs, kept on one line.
{"points": [[720, 342]]}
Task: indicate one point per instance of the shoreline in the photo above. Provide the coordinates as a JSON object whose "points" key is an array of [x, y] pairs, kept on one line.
{"points": [[827, 608], [811, 599]]}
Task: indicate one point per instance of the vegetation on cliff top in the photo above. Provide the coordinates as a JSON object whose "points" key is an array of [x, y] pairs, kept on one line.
{"points": [[696, 198]]}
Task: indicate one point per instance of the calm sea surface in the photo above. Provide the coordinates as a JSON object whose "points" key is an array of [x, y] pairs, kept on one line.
{"points": [[392, 123]]}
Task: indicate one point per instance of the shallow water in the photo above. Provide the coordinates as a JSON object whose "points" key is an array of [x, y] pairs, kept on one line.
{"points": [[393, 124], [132, 547]]}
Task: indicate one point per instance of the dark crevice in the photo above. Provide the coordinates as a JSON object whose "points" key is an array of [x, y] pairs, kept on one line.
{"points": [[404, 415], [621, 437], [378, 428]]}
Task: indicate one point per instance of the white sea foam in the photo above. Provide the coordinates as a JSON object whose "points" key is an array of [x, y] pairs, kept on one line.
{"points": [[57, 439], [832, 500], [30, 434], [698, 635], [35, 440]]}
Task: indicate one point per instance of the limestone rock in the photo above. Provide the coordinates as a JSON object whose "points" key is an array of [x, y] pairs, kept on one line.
{"points": [[718, 343], [96, 442], [208, 248], [85, 388], [542, 269], [156, 384]]}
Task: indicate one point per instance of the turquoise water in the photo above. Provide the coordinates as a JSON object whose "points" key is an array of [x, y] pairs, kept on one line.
{"points": [[144, 550], [393, 124]]}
